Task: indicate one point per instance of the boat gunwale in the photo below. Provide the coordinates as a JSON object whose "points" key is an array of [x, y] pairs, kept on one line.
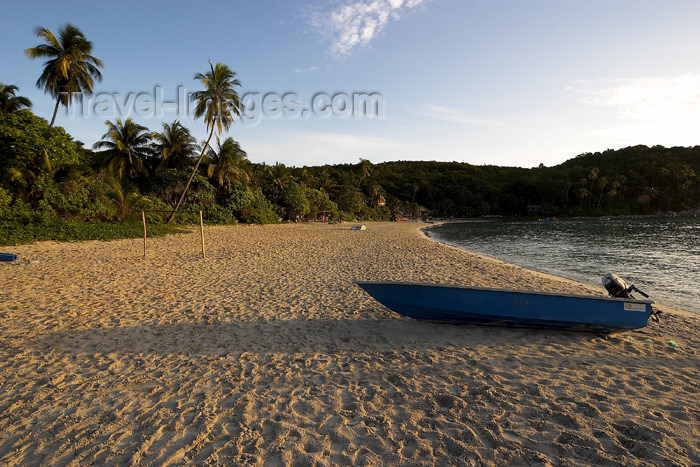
{"points": [[521, 292]]}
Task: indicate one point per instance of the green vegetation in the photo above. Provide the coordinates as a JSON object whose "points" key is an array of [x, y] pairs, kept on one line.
{"points": [[51, 187], [10, 102], [14, 231]]}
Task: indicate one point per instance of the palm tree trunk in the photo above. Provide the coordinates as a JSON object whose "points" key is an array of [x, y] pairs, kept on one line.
{"points": [[55, 111], [194, 171]]}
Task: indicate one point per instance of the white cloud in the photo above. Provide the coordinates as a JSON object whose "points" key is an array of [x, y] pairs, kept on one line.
{"points": [[305, 70], [357, 23], [454, 115], [644, 110], [318, 148], [650, 99]]}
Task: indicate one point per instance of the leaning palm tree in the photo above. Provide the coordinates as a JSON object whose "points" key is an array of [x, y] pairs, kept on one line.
{"points": [[70, 69], [10, 102], [227, 163], [127, 145], [176, 146], [218, 103]]}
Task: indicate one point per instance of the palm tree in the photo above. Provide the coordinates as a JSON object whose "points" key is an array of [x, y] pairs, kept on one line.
{"points": [[227, 164], [175, 145], [306, 178], [70, 69], [365, 170], [280, 178], [127, 145], [9, 102], [325, 181], [218, 103], [260, 174], [592, 176]]}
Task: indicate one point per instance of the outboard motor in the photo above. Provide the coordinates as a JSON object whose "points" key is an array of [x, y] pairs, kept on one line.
{"points": [[617, 287]]}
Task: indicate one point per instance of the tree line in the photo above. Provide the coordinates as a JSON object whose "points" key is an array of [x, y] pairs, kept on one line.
{"points": [[42, 169]]}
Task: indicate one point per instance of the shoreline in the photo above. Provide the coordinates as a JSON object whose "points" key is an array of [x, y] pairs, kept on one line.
{"points": [[574, 282], [267, 354]]}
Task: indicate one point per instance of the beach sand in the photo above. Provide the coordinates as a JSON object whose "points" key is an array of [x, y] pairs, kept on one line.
{"points": [[266, 354]]}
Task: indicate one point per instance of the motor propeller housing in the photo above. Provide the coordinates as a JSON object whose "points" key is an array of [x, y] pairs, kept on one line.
{"points": [[615, 285]]}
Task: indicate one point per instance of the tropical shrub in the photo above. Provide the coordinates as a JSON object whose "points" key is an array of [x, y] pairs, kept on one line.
{"points": [[319, 202], [295, 203], [249, 205]]}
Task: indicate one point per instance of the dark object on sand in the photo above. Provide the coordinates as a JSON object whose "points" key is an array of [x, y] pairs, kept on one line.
{"points": [[507, 307]]}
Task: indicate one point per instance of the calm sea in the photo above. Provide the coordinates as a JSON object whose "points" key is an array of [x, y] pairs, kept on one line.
{"points": [[661, 256]]}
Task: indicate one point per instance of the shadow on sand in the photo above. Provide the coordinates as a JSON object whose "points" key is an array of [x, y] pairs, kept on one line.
{"points": [[302, 336]]}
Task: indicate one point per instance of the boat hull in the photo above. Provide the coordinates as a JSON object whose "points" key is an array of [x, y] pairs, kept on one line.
{"points": [[506, 307]]}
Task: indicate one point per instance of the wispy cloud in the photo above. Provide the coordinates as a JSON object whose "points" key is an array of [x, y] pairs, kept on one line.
{"points": [[645, 110], [357, 23], [305, 70], [650, 99], [454, 115], [310, 147]]}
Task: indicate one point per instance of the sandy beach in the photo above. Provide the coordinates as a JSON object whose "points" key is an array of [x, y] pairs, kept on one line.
{"points": [[265, 353]]}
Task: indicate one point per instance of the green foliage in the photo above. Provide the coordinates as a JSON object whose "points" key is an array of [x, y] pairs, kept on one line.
{"points": [[249, 205], [70, 68], [349, 199], [295, 203], [319, 202], [5, 200], [168, 186], [227, 165], [635, 180], [44, 167], [218, 103], [10, 102], [52, 188], [34, 227], [175, 147], [217, 214], [127, 146], [27, 140]]}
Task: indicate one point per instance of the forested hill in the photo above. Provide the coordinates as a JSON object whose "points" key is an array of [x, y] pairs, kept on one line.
{"points": [[46, 176], [633, 180]]}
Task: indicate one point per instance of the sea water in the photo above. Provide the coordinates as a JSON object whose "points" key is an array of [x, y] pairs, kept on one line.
{"points": [[661, 256]]}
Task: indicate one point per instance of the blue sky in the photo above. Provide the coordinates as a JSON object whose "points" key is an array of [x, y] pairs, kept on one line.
{"points": [[514, 83]]}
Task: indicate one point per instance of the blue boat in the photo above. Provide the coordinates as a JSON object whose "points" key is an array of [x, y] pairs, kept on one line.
{"points": [[8, 256], [507, 307]]}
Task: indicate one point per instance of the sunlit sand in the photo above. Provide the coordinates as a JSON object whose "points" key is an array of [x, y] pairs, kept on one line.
{"points": [[265, 353]]}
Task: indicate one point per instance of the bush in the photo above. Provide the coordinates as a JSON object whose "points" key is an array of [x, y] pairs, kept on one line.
{"points": [[249, 205], [295, 203], [5, 200], [216, 214], [15, 230], [168, 186], [320, 202]]}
